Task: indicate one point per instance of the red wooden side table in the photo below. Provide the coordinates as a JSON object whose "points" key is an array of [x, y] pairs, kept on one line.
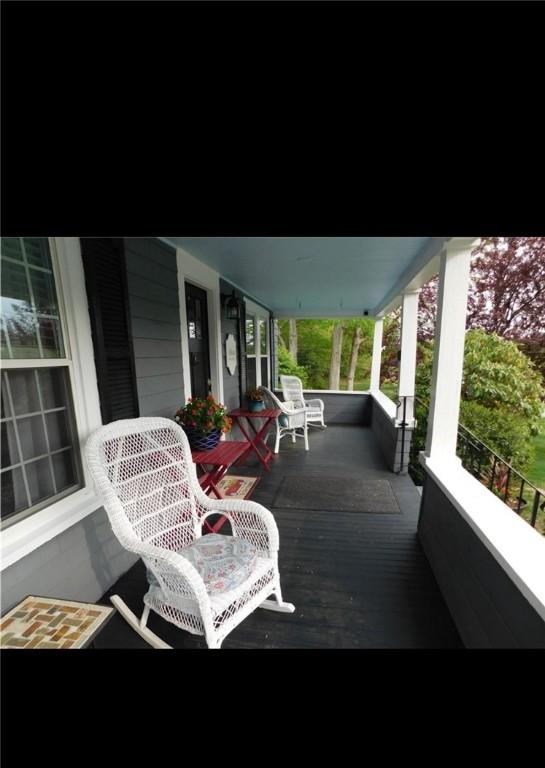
{"points": [[257, 444], [221, 458]]}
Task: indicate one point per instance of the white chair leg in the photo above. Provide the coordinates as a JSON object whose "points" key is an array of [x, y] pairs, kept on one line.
{"points": [[306, 438], [293, 436], [138, 626], [277, 443], [277, 604], [144, 617]]}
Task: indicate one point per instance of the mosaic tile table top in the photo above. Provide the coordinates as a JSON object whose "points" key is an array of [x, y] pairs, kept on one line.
{"points": [[44, 622]]}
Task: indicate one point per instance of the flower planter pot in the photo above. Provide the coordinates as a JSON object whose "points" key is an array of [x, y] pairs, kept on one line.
{"points": [[202, 441], [256, 405]]}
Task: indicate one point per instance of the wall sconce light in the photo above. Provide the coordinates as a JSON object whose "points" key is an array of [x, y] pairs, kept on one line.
{"points": [[231, 306]]}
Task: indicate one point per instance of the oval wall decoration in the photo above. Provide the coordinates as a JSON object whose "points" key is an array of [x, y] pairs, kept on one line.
{"points": [[231, 354]]}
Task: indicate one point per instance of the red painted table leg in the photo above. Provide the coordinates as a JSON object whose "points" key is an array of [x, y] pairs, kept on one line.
{"points": [[254, 443], [210, 485]]}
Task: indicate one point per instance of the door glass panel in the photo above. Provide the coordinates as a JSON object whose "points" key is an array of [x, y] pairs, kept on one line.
{"points": [[250, 336]]}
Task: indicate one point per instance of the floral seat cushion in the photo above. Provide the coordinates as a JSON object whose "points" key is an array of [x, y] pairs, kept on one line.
{"points": [[223, 562]]}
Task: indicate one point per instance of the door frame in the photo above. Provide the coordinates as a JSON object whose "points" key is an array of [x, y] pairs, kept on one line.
{"points": [[193, 271]]}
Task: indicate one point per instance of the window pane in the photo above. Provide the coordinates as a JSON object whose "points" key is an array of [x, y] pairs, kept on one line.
{"points": [[50, 337], [250, 336], [63, 467], [14, 497], [264, 372], [52, 387], [58, 432], [37, 252], [6, 410], [39, 434], [10, 452], [40, 483], [43, 290], [28, 292], [263, 336], [24, 392], [15, 288], [251, 380], [11, 247], [19, 336], [32, 436]]}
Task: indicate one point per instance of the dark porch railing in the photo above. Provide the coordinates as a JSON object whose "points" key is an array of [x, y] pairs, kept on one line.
{"points": [[500, 477]]}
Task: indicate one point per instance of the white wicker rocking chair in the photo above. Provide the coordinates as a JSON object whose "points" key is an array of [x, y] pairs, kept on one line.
{"points": [[293, 421], [292, 390], [148, 483]]}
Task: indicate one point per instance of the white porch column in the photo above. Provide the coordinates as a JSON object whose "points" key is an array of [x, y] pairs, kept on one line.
{"points": [[377, 354], [407, 365], [448, 360]]}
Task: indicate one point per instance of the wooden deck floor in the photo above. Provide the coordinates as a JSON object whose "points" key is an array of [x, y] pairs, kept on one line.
{"points": [[357, 579]]}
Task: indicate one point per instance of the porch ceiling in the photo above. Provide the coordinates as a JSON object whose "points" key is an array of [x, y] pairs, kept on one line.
{"points": [[318, 276]]}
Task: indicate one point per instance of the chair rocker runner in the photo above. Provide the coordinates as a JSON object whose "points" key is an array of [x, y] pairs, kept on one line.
{"points": [[205, 585], [290, 421], [292, 391]]}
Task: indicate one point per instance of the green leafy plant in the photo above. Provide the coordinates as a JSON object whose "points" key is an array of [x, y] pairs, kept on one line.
{"points": [[204, 414], [501, 398], [287, 366], [508, 433]]}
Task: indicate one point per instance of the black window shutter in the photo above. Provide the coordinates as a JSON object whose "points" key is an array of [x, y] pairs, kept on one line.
{"points": [[242, 350], [106, 283]]}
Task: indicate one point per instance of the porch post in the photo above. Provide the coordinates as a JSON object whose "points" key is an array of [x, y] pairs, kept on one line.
{"points": [[448, 359], [377, 354], [407, 365]]}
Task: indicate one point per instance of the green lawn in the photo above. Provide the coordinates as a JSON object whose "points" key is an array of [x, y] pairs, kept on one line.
{"points": [[536, 474]]}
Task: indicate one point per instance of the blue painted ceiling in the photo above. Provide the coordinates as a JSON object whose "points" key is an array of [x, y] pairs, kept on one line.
{"points": [[313, 276]]}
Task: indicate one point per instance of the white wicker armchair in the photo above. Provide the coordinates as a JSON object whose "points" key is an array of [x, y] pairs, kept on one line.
{"points": [[148, 483], [292, 390], [293, 421]]}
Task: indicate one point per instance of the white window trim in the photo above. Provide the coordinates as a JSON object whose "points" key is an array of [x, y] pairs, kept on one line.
{"points": [[258, 312], [23, 537], [195, 272]]}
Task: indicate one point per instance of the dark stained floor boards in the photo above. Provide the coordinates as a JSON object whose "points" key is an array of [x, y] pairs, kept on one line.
{"points": [[358, 578]]}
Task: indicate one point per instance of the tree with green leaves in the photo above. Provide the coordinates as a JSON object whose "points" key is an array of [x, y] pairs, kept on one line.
{"points": [[502, 395]]}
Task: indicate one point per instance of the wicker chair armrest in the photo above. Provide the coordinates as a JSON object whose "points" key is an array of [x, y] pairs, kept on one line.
{"points": [[315, 403], [249, 520]]}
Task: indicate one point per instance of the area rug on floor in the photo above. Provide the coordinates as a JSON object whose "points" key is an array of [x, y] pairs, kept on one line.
{"points": [[342, 494], [237, 486]]}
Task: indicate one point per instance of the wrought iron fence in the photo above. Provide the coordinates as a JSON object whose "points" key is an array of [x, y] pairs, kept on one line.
{"points": [[500, 477]]}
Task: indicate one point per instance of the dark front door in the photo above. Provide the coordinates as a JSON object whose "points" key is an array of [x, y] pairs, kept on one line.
{"points": [[197, 332]]}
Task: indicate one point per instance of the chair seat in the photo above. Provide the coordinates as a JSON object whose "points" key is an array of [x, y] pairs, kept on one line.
{"points": [[223, 562]]}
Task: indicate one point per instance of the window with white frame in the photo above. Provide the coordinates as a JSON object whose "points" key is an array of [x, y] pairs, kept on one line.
{"points": [[40, 455], [257, 346]]}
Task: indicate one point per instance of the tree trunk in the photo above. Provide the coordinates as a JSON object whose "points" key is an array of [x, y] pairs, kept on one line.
{"points": [[281, 341], [357, 339], [293, 338], [336, 352]]}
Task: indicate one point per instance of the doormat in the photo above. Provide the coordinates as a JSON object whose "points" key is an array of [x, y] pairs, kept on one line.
{"points": [[237, 486], [336, 494]]}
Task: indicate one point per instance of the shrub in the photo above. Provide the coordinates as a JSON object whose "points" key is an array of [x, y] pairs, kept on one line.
{"points": [[506, 432], [288, 367]]}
